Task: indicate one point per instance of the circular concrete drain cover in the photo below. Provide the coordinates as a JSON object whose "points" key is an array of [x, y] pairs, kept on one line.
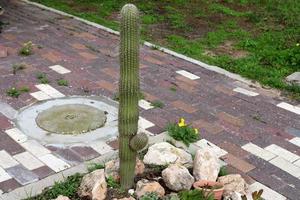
{"points": [[71, 119]]}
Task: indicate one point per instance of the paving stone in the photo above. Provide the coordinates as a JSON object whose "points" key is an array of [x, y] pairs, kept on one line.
{"points": [[79, 46], [85, 152], [203, 144], [232, 170], [4, 176], [3, 52], [101, 147], [289, 107], [188, 74], [114, 144], [49, 90], [293, 131], [28, 160], [107, 85], [296, 141], [183, 106], [212, 128], [43, 172], [112, 72], [22, 175], [155, 130], [53, 57], [281, 152], [9, 185], [66, 154], [238, 163], [268, 193], [4, 123], [16, 135], [7, 110], [60, 69], [88, 56], [245, 92], [35, 148], [145, 104], [297, 163], [9, 145], [286, 166], [6, 160], [294, 78], [40, 95], [233, 149], [231, 119], [54, 163], [145, 124], [290, 192], [258, 151]]}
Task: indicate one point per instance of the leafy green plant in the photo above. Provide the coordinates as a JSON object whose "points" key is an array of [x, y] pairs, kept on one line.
{"points": [[112, 183], [157, 104], [150, 196], [183, 132], [195, 195], [26, 49], [16, 92], [173, 88], [18, 67], [62, 82], [223, 171], [42, 77], [94, 166]]}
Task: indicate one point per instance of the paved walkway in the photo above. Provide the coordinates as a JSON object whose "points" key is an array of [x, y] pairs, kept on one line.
{"points": [[258, 133]]}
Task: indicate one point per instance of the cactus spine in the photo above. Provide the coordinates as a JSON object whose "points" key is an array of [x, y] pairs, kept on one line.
{"points": [[129, 92]]}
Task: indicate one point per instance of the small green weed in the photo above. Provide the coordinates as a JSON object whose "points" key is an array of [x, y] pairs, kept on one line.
{"points": [[18, 67], [42, 77], [183, 132], [173, 88], [195, 195], [26, 49], [62, 82], [157, 104], [112, 183], [94, 166], [150, 196], [223, 171], [15, 92]]}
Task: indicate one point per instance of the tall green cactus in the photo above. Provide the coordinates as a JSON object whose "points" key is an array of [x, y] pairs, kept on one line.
{"points": [[129, 141]]}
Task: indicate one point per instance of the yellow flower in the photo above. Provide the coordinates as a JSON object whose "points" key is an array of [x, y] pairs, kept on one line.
{"points": [[196, 131], [181, 122]]}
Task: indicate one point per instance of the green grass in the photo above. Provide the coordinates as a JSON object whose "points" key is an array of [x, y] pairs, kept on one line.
{"points": [[42, 77], [267, 30], [157, 104], [62, 82], [16, 92]]}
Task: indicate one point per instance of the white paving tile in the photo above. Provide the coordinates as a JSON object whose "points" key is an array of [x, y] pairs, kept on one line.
{"points": [[279, 151], [203, 143], [49, 90], [297, 163], [268, 193], [28, 160], [295, 141], [6, 160], [101, 147], [35, 148], [60, 69], [54, 163], [245, 92], [3, 175], [40, 95], [144, 124], [145, 104], [286, 166], [16, 135], [289, 107], [187, 74], [258, 151]]}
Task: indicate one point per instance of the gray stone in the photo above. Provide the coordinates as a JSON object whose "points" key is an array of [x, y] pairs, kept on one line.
{"points": [[22, 175], [177, 177], [294, 78], [164, 154], [144, 186], [233, 183], [93, 186], [232, 196], [206, 165], [61, 197]]}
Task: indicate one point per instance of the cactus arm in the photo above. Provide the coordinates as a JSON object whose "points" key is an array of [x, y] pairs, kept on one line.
{"points": [[129, 92]]}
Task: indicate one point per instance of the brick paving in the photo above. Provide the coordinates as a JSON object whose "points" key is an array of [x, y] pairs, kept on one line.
{"points": [[230, 114]]}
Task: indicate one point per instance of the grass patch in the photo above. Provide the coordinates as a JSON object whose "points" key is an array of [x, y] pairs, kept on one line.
{"points": [[157, 104], [18, 67], [267, 30], [26, 49], [68, 188], [94, 166], [62, 82], [16, 92], [42, 77]]}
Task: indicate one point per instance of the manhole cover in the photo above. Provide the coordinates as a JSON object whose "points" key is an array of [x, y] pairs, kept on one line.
{"points": [[71, 119]]}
